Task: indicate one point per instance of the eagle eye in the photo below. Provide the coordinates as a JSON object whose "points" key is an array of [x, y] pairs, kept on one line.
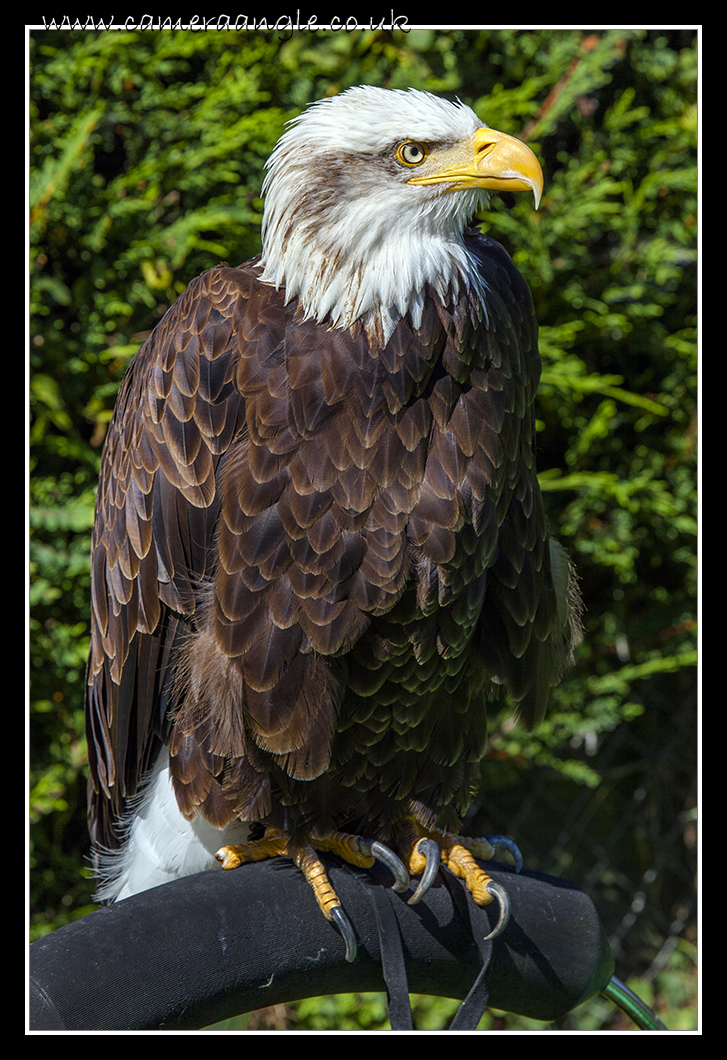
{"points": [[411, 153]]}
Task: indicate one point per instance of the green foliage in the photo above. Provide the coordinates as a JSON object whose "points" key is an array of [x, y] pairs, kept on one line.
{"points": [[147, 155]]}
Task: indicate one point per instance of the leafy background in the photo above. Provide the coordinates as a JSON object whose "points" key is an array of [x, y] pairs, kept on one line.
{"points": [[147, 154]]}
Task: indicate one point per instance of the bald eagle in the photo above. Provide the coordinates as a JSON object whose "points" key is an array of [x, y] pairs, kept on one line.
{"points": [[319, 540]]}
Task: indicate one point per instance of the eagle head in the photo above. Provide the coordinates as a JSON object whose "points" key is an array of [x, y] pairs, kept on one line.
{"points": [[367, 197]]}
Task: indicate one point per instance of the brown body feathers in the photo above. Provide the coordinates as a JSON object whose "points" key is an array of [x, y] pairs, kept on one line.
{"points": [[312, 557]]}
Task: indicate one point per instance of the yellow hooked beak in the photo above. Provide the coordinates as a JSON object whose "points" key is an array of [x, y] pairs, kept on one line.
{"points": [[491, 160]]}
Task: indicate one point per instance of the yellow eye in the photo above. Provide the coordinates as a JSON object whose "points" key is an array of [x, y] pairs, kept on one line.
{"points": [[411, 153]]}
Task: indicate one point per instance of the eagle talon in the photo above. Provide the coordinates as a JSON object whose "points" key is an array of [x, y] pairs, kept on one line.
{"points": [[508, 844], [429, 850], [500, 841], [504, 902], [339, 918], [387, 857]]}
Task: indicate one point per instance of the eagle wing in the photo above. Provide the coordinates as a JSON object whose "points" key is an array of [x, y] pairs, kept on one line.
{"points": [[177, 411], [530, 618]]}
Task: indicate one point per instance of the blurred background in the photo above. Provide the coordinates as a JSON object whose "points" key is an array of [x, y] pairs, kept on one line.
{"points": [[147, 152]]}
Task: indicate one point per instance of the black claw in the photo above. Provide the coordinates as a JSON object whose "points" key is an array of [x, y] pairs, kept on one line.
{"points": [[343, 924], [504, 902], [508, 844], [430, 849], [387, 857]]}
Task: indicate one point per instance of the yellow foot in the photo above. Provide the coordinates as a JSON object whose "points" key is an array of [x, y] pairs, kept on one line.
{"points": [[273, 845], [353, 849], [425, 847]]}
